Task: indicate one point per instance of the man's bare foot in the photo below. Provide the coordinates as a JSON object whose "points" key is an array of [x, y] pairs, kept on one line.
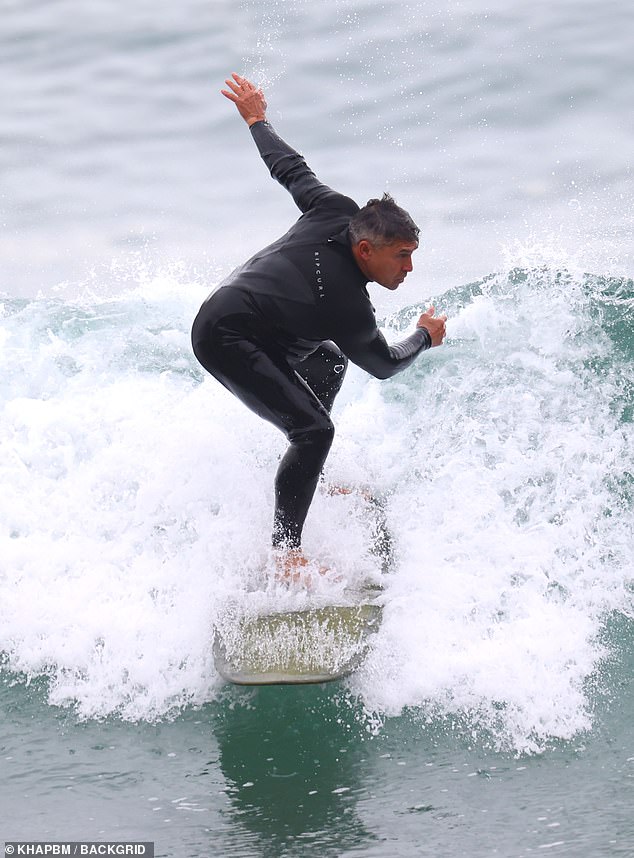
{"points": [[293, 567], [366, 494]]}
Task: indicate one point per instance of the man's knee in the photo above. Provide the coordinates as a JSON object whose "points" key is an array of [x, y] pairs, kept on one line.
{"points": [[335, 360], [324, 371], [319, 435]]}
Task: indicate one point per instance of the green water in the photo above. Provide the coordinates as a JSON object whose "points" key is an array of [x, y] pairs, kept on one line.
{"points": [[305, 772]]}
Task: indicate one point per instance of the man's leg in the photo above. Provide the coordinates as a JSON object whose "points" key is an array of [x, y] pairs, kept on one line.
{"points": [[323, 371], [273, 390]]}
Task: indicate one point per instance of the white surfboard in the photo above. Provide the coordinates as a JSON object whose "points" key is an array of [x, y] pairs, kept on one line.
{"points": [[297, 647], [319, 643]]}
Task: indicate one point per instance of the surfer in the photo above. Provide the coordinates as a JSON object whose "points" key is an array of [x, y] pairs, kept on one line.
{"points": [[279, 330]]}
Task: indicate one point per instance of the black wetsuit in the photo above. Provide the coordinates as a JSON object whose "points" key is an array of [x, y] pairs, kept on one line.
{"points": [[278, 331]]}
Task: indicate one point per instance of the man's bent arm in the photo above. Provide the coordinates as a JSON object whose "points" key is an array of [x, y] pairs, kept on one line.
{"points": [[285, 164], [290, 169], [383, 360]]}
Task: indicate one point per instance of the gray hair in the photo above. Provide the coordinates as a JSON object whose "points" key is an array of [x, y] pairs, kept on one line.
{"points": [[381, 222]]}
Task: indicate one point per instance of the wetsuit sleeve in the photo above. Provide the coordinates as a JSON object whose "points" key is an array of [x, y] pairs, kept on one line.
{"points": [[290, 169], [376, 356]]}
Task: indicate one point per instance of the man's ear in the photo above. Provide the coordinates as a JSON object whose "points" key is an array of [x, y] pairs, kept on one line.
{"points": [[364, 249]]}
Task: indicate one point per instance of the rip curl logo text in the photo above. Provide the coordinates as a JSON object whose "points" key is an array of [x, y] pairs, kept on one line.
{"points": [[319, 278]]}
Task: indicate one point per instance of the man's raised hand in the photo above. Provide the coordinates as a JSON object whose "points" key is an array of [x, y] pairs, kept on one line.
{"points": [[434, 324], [248, 98]]}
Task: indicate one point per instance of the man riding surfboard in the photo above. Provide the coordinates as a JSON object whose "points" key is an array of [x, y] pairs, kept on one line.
{"points": [[279, 330]]}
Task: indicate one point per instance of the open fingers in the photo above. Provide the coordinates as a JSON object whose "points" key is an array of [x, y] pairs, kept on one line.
{"points": [[234, 89], [238, 86], [239, 83], [248, 99]]}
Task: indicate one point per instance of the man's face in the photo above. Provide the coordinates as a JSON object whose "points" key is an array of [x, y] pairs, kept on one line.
{"points": [[388, 264]]}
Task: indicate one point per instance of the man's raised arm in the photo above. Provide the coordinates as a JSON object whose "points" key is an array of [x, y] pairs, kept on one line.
{"points": [[285, 164]]}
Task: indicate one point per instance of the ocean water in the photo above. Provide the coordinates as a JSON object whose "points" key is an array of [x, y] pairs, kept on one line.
{"points": [[493, 715]]}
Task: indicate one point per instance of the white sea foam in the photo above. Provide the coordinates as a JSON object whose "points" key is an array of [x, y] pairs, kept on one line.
{"points": [[138, 499], [513, 543]]}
